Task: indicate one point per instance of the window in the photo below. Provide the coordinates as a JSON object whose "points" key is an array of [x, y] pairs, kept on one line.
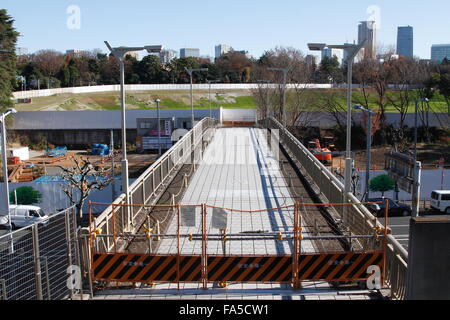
{"points": [[33, 213], [446, 197], [434, 196]]}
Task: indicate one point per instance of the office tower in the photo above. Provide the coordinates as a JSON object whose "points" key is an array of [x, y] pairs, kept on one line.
{"points": [[405, 41], [189, 52], [439, 52], [367, 31], [167, 56], [330, 53], [222, 49]]}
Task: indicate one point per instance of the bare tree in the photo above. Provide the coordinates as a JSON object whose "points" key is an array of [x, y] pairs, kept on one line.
{"points": [[404, 76], [83, 178], [48, 61]]}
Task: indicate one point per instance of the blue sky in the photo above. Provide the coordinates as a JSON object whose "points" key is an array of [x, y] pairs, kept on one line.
{"points": [[245, 24]]}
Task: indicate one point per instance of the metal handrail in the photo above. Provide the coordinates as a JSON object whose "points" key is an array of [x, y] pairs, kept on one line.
{"points": [[397, 255]]}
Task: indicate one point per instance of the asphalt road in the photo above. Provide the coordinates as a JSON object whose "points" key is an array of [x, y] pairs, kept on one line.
{"points": [[400, 227]]}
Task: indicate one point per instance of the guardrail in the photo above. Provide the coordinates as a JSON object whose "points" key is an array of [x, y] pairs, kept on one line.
{"points": [[152, 183], [358, 219], [34, 261]]}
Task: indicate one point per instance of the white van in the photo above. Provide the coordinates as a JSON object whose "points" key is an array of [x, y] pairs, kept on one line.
{"points": [[24, 216], [440, 201]]}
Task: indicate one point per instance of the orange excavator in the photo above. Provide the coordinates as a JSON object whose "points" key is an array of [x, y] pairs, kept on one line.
{"points": [[317, 150]]}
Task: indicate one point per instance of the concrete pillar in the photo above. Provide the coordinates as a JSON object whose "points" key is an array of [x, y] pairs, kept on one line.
{"points": [[429, 259]]}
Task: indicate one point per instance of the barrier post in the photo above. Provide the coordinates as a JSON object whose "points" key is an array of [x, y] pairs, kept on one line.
{"points": [[178, 247], [295, 256], [204, 247], [385, 243], [114, 227]]}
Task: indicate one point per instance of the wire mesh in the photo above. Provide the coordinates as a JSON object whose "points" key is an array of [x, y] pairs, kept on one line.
{"points": [[34, 260]]}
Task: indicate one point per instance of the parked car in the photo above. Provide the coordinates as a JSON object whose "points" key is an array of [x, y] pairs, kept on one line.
{"points": [[24, 216], [395, 208], [4, 223], [440, 201]]}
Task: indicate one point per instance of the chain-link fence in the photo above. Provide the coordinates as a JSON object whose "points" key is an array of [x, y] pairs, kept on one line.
{"points": [[35, 261]]}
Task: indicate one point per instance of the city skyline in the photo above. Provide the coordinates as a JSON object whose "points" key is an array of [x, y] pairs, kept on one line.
{"points": [[258, 37]]}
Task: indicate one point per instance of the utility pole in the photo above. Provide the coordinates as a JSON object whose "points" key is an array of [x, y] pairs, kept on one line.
{"points": [[210, 98], [159, 127], [191, 72], [417, 166]]}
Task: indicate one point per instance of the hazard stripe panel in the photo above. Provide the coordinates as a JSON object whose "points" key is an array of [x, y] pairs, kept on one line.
{"points": [[145, 268], [331, 267], [338, 267], [250, 268]]}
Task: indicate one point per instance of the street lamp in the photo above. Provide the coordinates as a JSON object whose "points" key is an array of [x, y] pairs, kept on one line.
{"points": [[210, 99], [120, 54], [352, 51], [5, 170], [370, 113], [191, 72], [158, 101], [417, 166], [285, 72]]}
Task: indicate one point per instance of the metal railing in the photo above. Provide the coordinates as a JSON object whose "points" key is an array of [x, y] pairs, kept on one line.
{"points": [[34, 261], [357, 218], [152, 183]]}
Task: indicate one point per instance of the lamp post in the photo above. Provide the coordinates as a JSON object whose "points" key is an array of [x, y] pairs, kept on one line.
{"points": [[417, 166], [370, 113], [5, 171], [159, 126], [352, 51], [210, 99], [120, 54], [285, 72], [191, 72]]}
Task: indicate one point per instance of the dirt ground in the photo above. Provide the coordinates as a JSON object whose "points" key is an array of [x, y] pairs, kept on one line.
{"points": [[428, 154]]}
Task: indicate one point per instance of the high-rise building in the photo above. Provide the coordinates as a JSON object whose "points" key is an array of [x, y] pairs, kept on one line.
{"points": [[21, 51], [167, 56], [405, 41], [189, 52], [367, 30], [330, 53], [222, 49], [77, 53], [439, 52]]}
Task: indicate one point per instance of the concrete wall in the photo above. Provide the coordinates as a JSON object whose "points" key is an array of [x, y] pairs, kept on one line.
{"points": [[101, 120], [93, 120], [150, 87], [429, 259], [242, 115]]}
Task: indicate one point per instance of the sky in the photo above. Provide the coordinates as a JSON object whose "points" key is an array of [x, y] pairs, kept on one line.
{"points": [[251, 25]]}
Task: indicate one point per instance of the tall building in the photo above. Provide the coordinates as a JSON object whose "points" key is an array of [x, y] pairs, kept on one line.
{"points": [[405, 41], [222, 49], [367, 30], [167, 56], [77, 53], [439, 52], [330, 53], [189, 52], [21, 51]]}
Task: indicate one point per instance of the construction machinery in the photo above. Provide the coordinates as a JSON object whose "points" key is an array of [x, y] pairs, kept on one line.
{"points": [[322, 154]]}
